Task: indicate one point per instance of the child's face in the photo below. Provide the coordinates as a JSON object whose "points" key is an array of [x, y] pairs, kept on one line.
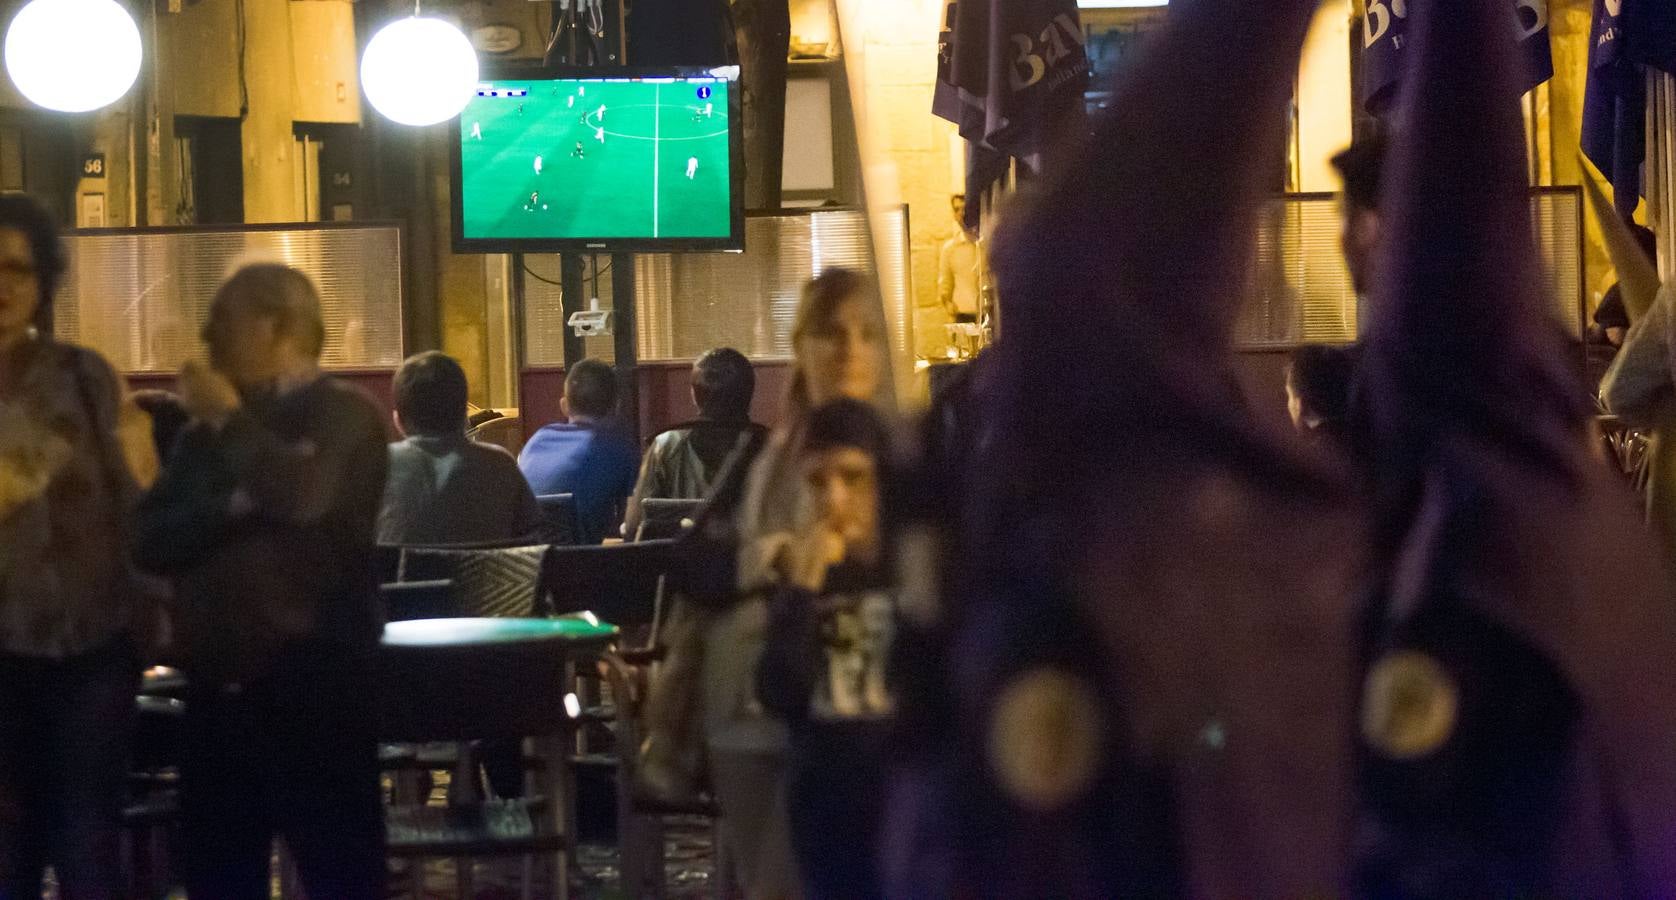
{"points": [[844, 484]]}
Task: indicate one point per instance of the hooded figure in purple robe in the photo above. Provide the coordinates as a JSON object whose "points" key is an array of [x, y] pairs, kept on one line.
{"points": [[1145, 686], [1517, 715]]}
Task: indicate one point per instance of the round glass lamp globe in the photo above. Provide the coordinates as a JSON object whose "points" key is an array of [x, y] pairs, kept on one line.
{"points": [[73, 55], [419, 71]]}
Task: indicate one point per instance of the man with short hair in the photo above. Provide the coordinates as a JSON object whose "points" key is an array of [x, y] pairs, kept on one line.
{"points": [[1361, 166], [584, 457], [961, 269], [1611, 318], [684, 462], [264, 520], [444, 487], [962, 273]]}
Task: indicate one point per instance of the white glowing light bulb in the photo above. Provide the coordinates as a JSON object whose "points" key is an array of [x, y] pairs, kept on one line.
{"points": [[73, 55]]}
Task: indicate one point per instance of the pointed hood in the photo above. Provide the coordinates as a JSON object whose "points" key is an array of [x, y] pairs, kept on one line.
{"points": [[1461, 338], [1208, 557], [1130, 257], [1638, 276], [1489, 492]]}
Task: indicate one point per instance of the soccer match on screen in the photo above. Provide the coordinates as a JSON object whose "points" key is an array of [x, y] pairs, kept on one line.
{"points": [[597, 158]]}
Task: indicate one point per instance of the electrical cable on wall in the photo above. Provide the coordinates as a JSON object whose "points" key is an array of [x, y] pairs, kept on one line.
{"points": [[532, 273], [244, 82], [596, 29], [564, 23]]}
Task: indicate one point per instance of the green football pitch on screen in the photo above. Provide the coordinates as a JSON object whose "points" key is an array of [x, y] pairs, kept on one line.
{"points": [[582, 159]]}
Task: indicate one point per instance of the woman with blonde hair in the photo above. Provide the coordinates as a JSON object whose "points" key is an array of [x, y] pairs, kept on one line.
{"points": [[840, 348]]}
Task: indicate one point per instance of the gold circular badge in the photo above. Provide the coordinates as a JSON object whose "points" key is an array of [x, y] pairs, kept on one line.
{"points": [[1044, 738], [1409, 705]]}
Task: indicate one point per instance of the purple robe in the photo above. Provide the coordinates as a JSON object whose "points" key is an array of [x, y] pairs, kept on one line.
{"points": [[1149, 643], [1490, 506]]}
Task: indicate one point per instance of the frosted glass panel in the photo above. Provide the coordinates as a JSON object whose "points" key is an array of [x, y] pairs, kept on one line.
{"points": [[1299, 291], [141, 297]]}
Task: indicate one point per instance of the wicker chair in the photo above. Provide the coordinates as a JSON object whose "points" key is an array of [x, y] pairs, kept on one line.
{"points": [[506, 431], [624, 584], [1626, 448]]}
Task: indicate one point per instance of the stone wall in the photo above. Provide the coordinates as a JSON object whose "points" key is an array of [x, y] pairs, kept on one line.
{"points": [[909, 155]]}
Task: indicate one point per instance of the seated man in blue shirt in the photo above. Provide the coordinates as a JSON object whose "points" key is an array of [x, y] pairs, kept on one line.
{"points": [[584, 457]]}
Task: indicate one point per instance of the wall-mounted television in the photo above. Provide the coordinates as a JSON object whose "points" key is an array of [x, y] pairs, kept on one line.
{"points": [[601, 160]]}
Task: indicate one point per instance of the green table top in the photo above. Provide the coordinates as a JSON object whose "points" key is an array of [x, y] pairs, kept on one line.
{"points": [[480, 632]]}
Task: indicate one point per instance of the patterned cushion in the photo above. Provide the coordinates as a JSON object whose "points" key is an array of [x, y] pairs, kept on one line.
{"points": [[499, 583]]}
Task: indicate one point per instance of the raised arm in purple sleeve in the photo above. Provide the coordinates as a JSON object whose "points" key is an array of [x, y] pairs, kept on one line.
{"points": [[1474, 418]]}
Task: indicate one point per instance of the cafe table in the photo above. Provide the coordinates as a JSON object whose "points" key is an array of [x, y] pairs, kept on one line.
{"points": [[467, 680]]}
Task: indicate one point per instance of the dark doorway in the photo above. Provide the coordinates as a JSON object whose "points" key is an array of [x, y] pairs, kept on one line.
{"points": [[332, 175], [38, 156], [211, 170]]}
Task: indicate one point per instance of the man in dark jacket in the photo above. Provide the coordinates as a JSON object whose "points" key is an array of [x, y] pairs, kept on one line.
{"points": [[264, 519], [684, 462]]}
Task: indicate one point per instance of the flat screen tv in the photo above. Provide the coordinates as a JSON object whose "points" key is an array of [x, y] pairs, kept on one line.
{"points": [[631, 160]]}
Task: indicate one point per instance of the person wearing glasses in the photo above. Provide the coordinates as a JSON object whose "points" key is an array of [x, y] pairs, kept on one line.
{"points": [[74, 454]]}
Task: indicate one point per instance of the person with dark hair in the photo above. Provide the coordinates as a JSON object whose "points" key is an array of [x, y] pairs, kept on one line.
{"points": [[704, 720], [831, 630], [444, 487], [841, 351], [1362, 168], [74, 455], [264, 520], [962, 282], [1318, 382], [683, 462], [1611, 318], [585, 456], [36, 248], [962, 272], [724, 382]]}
